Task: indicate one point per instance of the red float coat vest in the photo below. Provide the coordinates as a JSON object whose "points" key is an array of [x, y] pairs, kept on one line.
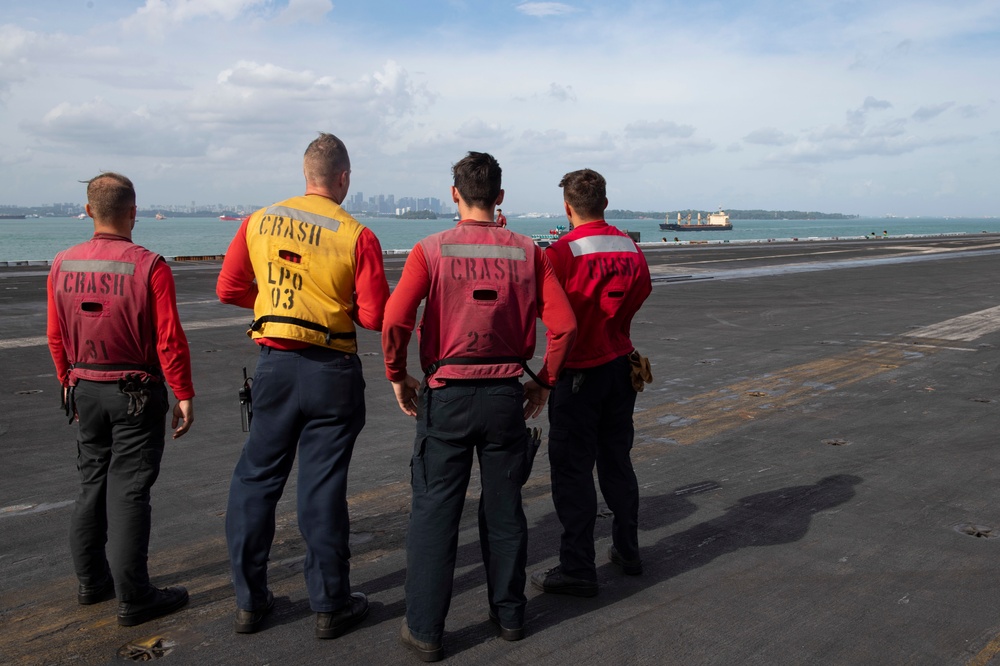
{"points": [[479, 317], [102, 296], [606, 279]]}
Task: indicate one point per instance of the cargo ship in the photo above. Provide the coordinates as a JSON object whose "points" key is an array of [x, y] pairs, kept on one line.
{"points": [[713, 222]]}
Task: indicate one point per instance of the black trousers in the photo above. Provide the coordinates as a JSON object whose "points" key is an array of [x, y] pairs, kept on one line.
{"points": [[484, 417], [118, 457], [593, 427]]}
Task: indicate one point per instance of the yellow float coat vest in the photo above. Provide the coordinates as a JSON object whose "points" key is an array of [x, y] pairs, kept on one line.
{"points": [[303, 255]]}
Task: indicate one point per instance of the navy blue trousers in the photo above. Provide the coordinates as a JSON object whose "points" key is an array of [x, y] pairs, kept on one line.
{"points": [[311, 400], [485, 417], [118, 456], [593, 426]]}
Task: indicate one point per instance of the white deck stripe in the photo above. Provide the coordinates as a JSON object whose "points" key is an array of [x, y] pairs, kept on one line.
{"points": [[41, 340], [965, 328]]}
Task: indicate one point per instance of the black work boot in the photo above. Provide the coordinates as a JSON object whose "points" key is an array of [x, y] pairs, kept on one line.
{"points": [[334, 625], [153, 605]]}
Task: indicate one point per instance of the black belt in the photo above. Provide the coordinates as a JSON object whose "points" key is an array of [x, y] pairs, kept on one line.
{"points": [[304, 323]]}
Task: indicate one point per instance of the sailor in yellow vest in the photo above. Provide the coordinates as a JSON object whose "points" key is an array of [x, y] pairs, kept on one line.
{"points": [[311, 273]]}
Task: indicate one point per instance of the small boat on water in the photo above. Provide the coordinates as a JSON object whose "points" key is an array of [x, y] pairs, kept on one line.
{"points": [[713, 222], [230, 218], [544, 240], [161, 216]]}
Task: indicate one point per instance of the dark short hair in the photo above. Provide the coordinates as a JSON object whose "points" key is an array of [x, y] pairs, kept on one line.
{"points": [[477, 179], [586, 191], [326, 158], [110, 195]]}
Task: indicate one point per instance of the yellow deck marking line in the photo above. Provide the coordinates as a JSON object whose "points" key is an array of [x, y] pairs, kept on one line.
{"points": [[698, 418], [709, 414], [985, 655], [911, 345], [913, 249]]}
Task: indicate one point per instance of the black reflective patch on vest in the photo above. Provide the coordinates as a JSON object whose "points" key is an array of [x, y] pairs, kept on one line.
{"points": [[485, 294]]}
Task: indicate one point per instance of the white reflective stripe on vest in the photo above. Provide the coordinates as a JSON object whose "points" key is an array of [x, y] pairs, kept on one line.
{"points": [[98, 266], [597, 244], [304, 216], [484, 251]]}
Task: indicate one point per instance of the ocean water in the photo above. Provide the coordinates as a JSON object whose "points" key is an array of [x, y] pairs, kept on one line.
{"points": [[40, 239]]}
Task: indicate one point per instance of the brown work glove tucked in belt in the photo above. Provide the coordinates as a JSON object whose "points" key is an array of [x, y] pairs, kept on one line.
{"points": [[642, 374]]}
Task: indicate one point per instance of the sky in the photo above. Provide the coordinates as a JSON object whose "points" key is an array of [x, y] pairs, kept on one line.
{"points": [[869, 107]]}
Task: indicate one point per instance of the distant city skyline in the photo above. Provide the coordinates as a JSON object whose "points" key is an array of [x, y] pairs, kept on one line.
{"points": [[872, 108], [355, 202]]}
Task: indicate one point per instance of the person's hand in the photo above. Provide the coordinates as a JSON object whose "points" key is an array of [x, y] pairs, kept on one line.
{"points": [[535, 399], [183, 414], [406, 395]]}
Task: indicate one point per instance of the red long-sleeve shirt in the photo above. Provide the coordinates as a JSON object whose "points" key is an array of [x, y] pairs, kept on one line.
{"points": [[171, 343], [414, 285], [606, 278], [237, 284]]}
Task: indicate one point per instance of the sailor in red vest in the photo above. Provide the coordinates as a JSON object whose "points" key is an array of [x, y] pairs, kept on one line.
{"points": [[501, 218], [311, 273], [484, 288], [115, 335], [590, 409]]}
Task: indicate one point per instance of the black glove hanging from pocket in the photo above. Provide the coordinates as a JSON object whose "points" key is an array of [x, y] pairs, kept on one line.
{"points": [[534, 441], [137, 391]]}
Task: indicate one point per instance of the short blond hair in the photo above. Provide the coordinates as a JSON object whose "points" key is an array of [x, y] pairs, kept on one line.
{"points": [[325, 159]]}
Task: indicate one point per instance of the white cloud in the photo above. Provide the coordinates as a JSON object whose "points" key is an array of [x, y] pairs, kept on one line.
{"points": [[247, 74], [16, 48], [933, 111], [562, 93], [305, 11], [769, 136], [155, 13], [410, 90], [100, 126], [645, 129], [872, 103], [545, 9]]}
